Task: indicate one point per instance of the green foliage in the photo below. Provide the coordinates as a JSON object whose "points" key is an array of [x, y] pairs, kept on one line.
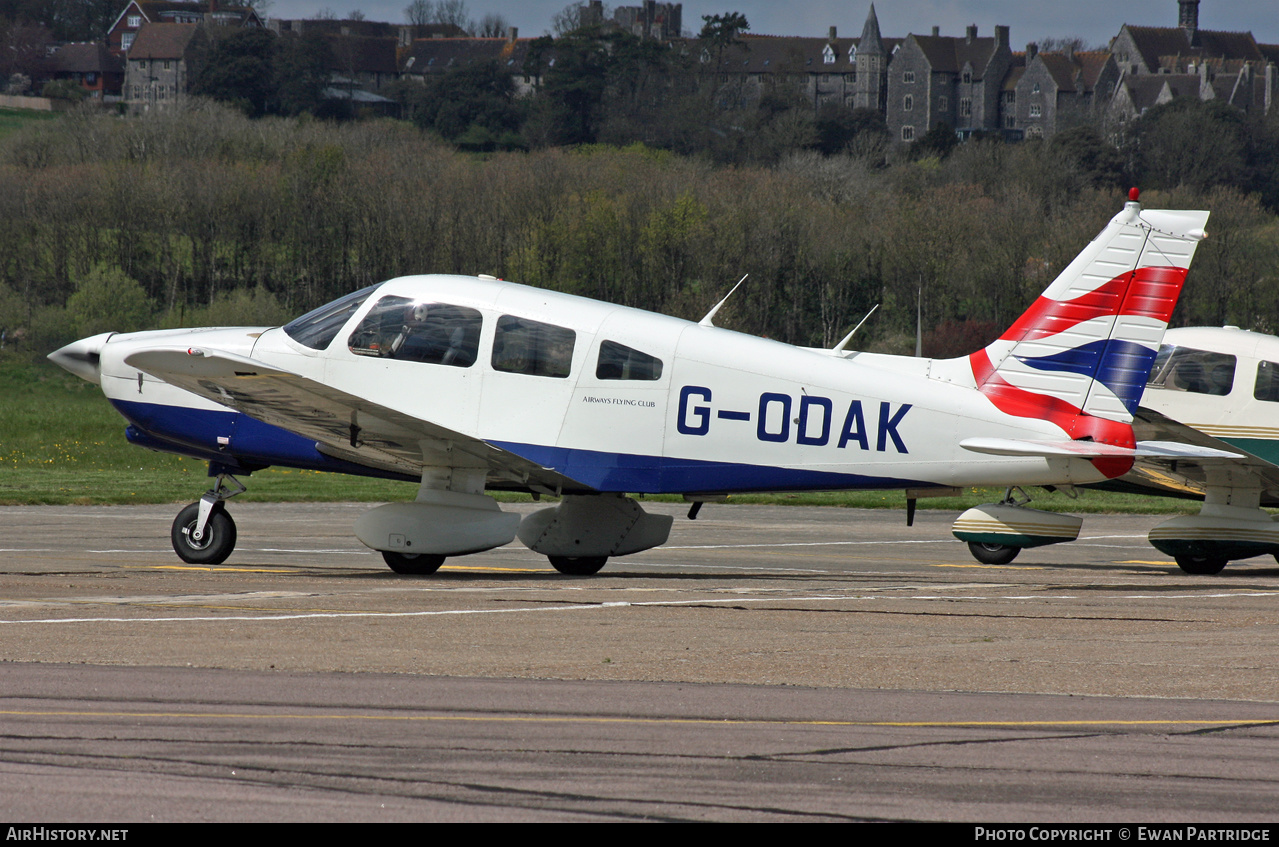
{"points": [[240, 69], [224, 220], [108, 300], [1189, 142], [64, 89], [473, 106]]}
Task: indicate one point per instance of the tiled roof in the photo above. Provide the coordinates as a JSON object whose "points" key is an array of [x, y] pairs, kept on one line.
{"points": [[162, 41], [437, 55], [1156, 42], [756, 54], [363, 55], [949, 54], [85, 57]]}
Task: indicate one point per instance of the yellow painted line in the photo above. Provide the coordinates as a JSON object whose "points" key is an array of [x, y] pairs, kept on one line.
{"points": [[997, 567], [486, 568], [643, 721], [207, 569], [1145, 562]]}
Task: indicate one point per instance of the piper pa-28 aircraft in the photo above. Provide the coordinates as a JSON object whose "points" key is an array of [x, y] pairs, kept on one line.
{"points": [[1218, 388], [469, 384]]}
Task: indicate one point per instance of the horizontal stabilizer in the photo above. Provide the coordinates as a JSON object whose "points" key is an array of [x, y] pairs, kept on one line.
{"points": [[1093, 449]]}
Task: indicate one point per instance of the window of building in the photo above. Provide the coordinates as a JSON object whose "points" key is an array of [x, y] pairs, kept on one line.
{"points": [[908, 77], [1036, 110], [133, 21], [908, 133], [828, 55], [1194, 371], [1034, 89], [166, 64], [617, 361], [142, 64], [943, 103], [524, 346], [126, 41], [416, 331], [908, 103], [1267, 385], [966, 107], [968, 77]]}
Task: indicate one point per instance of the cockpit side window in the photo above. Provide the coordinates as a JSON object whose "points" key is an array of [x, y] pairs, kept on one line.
{"points": [[1193, 371], [1267, 385], [318, 327], [617, 361], [416, 331], [524, 346]]}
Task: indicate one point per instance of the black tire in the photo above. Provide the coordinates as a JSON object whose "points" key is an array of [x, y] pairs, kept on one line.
{"points": [[992, 554], [218, 541], [578, 565], [1201, 565], [412, 564]]}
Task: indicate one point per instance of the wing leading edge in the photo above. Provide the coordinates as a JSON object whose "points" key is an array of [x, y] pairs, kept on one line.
{"points": [[343, 425]]}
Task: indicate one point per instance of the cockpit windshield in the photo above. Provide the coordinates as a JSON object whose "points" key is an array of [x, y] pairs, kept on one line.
{"points": [[318, 327]]}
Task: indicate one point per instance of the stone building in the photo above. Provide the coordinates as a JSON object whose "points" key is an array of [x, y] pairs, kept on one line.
{"points": [[1057, 91], [936, 79], [160, 63]]}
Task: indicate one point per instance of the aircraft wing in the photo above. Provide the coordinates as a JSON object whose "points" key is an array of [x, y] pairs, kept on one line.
{"points": [[343, 425], [1190, 476]]}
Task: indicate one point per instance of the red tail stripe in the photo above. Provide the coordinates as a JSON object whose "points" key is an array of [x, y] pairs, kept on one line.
{"points": [[1148, 292]]}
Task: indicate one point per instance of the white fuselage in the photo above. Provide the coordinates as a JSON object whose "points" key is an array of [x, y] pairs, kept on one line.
{"points": [[728, 412]]}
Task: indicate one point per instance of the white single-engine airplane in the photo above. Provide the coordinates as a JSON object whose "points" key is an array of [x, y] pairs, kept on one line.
{"points": [[471, 383], [1218, 388]]}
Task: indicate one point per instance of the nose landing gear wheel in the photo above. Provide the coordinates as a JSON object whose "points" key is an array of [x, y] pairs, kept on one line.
{"points": [[578, 565], [415, 564], [214, 547]]}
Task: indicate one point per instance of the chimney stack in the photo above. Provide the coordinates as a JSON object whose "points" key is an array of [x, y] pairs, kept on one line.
{"points": [[833, 36], [1032, 50]]}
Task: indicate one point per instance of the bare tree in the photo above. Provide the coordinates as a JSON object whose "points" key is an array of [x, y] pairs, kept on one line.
{"points": [[492, 25], [420, 12], [573, 17], [453, 12]]}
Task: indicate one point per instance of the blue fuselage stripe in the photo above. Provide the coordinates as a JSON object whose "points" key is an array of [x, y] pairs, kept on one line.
{"points": [[251, 444]]}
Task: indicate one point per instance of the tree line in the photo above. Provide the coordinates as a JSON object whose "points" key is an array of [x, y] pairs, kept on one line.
{"points": [[205, 216]]}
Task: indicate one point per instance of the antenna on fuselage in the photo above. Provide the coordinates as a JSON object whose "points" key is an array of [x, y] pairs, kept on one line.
{"points": [[839, 348], [706, 321]]}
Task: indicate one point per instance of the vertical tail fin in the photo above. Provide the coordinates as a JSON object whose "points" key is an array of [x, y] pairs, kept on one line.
{"points": [[1081, 354]]}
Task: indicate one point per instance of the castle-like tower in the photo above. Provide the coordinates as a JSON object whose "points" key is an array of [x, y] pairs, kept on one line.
{"points": [[870, 91]]}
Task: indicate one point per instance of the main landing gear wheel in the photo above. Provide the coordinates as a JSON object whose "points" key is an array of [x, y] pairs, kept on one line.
{"points": [[1201, 565], [578, 565], [214, 547], [415, 564], [993, 554]]}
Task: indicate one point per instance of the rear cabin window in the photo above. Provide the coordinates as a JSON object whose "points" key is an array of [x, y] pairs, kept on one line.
{"points": [[1193, 371], [416, 331], [1267, 387], [523, 346], [617, 361], [317, 328]]}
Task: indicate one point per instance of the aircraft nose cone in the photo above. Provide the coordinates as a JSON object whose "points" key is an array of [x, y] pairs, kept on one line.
{"points": [[82, 357]]}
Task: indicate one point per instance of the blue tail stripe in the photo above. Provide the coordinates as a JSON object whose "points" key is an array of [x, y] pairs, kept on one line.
{"points": [[1122, 366]]}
